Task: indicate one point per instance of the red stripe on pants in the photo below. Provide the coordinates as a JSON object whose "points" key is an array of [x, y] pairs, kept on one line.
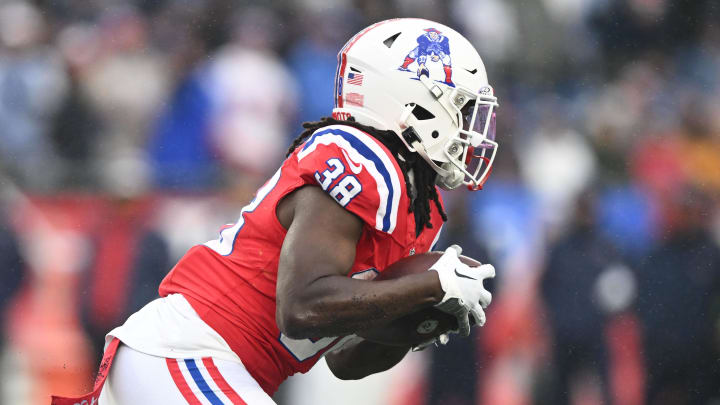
{"points": [[221, 383], [180, 382]]}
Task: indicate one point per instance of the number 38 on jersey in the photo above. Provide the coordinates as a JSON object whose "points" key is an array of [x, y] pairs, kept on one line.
{"points": [[344, 190]]}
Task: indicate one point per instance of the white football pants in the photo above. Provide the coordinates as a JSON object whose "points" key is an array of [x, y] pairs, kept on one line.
{"points": [[138, 378]]}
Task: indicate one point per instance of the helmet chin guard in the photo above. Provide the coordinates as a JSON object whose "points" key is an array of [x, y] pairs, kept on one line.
{"points": [[453, 180], [425, 82]]}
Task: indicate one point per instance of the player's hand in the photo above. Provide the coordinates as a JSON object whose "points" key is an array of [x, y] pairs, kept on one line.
{"points": [[465, 294]]}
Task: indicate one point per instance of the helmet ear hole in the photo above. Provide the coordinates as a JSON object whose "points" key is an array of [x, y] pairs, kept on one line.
{"points": [[391, 40], [422, 114], [435, 134]]}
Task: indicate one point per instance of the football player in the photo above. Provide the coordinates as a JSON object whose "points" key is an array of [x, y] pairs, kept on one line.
{"points": [[288, 282]]}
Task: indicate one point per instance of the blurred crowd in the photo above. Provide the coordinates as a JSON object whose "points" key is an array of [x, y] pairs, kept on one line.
{"points": [[130, 130]]}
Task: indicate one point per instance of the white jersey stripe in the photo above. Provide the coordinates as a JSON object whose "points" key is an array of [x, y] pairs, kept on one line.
{"points": [[225, 244]]}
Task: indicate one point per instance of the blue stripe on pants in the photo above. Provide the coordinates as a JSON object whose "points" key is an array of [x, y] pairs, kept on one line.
{"points": [[200, 381]]}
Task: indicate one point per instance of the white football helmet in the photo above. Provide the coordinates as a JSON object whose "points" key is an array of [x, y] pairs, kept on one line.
{"points": [[427, 83]]}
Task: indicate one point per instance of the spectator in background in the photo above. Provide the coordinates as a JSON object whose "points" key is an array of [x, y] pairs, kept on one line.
{"points": [[569, 287], [33, 83], [180, 146], [77, 126], [313, 59], [12, 270], [180, 149], [126, 82], [615, 116], [493, 28], [628, 28], [701, 144], [253, 99], [128, 261], [557, 163], [679, 291]]}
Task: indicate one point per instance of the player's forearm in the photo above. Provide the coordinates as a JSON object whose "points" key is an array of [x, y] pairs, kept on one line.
{"points": [[337, 305], [360, 358]]}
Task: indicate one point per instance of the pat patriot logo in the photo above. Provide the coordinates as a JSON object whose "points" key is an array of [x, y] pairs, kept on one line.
{"points": [[434, 45]]}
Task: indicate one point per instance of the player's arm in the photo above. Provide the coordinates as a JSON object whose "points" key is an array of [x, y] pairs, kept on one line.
{"points": [[360, 358], [315, 298]]}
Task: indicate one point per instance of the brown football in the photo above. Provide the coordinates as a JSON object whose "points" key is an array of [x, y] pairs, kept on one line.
{"points": [[420, 326]]}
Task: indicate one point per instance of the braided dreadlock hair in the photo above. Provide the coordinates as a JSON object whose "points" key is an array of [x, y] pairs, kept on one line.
{"points": [[424, 176]]}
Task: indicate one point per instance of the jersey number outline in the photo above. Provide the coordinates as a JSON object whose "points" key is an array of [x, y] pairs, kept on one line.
{"points": [[225, 244], [303, 349]]}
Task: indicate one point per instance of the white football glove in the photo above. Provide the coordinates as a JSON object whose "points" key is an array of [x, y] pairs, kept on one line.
{"points": [[464, 291]]}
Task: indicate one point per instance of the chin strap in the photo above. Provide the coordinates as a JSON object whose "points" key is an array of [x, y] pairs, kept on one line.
{"points": [[411, 139], [447, 179], [435, 90]]}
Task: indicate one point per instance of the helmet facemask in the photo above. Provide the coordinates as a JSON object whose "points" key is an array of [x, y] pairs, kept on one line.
{"points": [[477, 137], [467, 155]]}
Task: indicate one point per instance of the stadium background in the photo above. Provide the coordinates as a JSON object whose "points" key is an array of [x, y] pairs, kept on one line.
{"points": [[130, 131]]}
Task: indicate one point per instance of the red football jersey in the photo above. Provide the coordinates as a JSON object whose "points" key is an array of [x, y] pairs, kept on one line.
{"points": [[231, 281]]}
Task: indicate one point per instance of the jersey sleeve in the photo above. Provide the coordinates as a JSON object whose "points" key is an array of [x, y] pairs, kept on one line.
{"points": [[356, 171]]}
